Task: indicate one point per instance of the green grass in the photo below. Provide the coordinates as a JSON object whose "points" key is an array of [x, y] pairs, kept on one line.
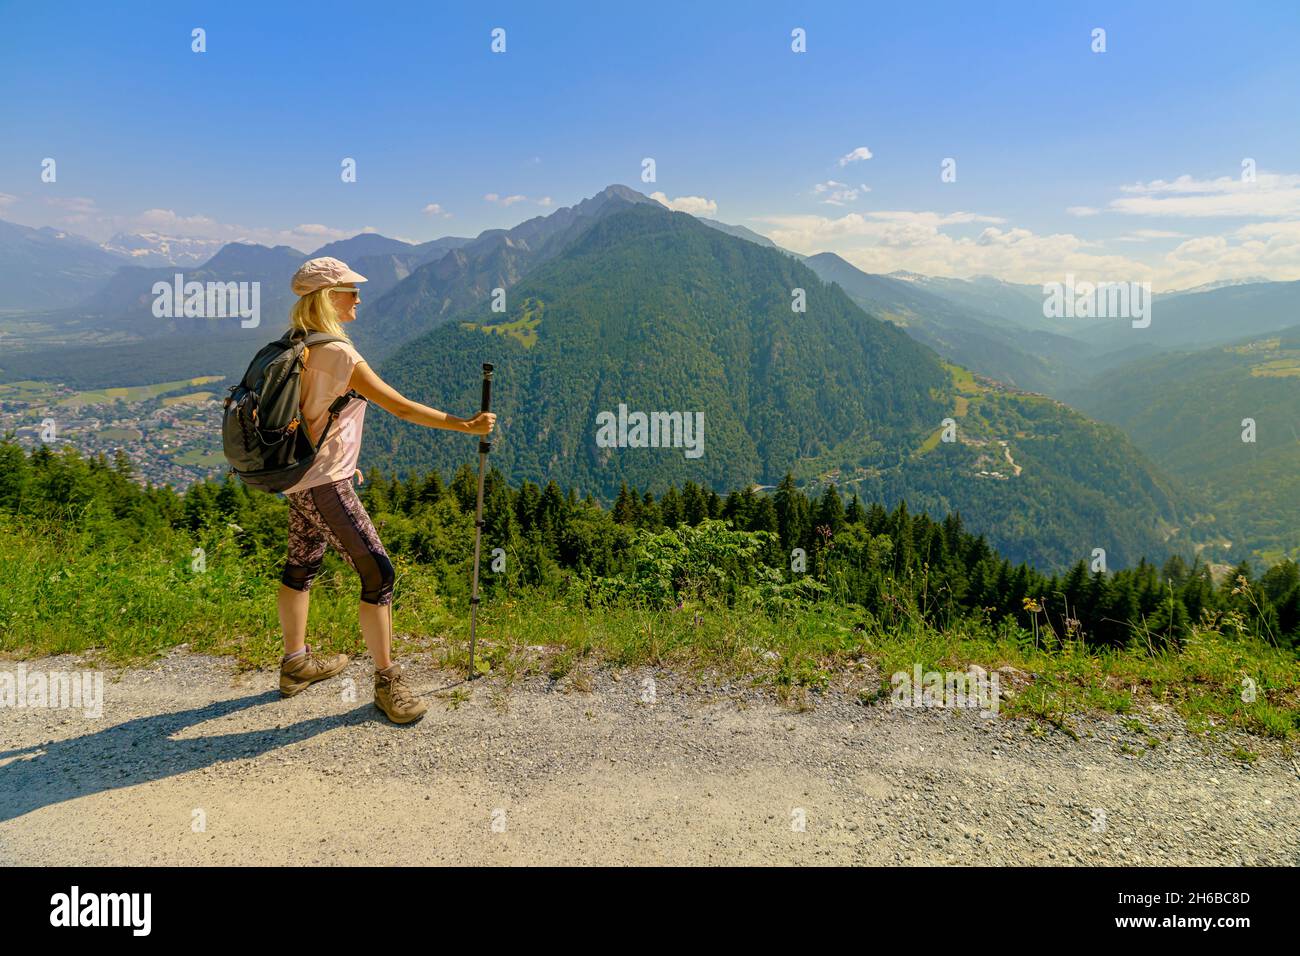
{"points": [[27, 391], [134, 393], [196, 456], [192, 398], [964, 386], [65, 591], [523, 329]]}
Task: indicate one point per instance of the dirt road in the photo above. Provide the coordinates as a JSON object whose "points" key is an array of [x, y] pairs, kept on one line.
{"points": [[193, 762]]}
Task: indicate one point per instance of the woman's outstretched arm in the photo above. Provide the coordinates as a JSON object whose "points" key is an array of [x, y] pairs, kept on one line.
{"points": [[366, 383]]}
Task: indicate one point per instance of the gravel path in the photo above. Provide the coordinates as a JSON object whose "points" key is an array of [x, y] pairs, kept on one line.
{"points": [[193, 762]]}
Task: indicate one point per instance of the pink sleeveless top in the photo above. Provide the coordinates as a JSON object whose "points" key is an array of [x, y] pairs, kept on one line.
{"points": [[328, 370]]}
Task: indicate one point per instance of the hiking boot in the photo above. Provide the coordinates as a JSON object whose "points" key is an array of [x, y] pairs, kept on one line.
{"points": [[308, 668], [393, 695]]}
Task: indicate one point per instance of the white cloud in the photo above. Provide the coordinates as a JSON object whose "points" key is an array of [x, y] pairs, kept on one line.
{"points": [[924, 241], [896, 227], [1271, 195], [932, 218], [305, 236], [316, 229], [76, 210], [1268, 247], [695, 205], [838, 194], [1259, 249], [927, 242], [918, 241], [169, 224], [504, 200], [1287, 228], [434, 209], [167, 219], [73, 203], [1146, 235], [7, 199], [856, 156], [546, 201]]}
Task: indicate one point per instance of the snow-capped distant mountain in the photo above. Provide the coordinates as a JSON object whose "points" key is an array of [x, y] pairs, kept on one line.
{"points": [[1218, 284], [49, 268], [155, 249]]}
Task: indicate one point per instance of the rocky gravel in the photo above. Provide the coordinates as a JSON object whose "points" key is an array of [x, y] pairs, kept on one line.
{"points": [[195, 762]]}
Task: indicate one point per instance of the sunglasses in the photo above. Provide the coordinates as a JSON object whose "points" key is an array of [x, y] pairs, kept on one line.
{"points": [[356, 293]]}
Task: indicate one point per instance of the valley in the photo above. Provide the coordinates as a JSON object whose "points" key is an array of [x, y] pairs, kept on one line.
{"points": [[168, 433], [618, 301], [1189, 410]]}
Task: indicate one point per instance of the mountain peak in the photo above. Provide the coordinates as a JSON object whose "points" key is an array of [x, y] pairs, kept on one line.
{"points": [[238, 258], [614, 193], [619, 191], [1218, 284], [362, 244]]}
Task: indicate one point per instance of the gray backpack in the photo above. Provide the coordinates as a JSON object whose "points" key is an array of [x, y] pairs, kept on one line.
{"points": [[262, 429]]}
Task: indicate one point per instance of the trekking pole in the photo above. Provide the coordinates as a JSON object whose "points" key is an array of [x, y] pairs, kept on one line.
{"points": [[484, 446]]}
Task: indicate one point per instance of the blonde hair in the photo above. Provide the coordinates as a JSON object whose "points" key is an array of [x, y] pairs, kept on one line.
{"points": [[314, 312]]}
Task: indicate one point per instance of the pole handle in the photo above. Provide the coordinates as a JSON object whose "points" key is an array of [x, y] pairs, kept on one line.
{"points": [[485, 446], [487, 388]]}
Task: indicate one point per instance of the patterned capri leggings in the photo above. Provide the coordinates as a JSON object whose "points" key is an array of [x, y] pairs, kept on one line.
{"points": [[333, 515]]}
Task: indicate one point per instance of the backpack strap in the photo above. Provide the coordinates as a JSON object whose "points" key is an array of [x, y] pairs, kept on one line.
{"points": [[336, 407], [292, 335], [300, 340], [292, 338], [310, 339], [321, 338]]}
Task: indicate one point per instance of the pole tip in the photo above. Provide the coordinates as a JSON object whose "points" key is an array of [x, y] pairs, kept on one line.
{"points": [[487, 367]]}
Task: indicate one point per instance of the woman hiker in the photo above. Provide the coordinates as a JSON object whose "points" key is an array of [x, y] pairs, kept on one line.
{"points": [[324, 508]]}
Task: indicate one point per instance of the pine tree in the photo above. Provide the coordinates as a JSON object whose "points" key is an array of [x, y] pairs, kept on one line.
{"points": [[464, 487], [527, 501], [830, 510], [670, 506], [650, 518], [375, 493], [695, 507], [1175, 571], [764, 516], [552, 513], [626, 507], [431, 489], [794, 521], [855, 514], [15, 475]]}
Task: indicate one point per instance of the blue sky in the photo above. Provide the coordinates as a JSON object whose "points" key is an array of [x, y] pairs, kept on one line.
{"points": [[1065, 158]]}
